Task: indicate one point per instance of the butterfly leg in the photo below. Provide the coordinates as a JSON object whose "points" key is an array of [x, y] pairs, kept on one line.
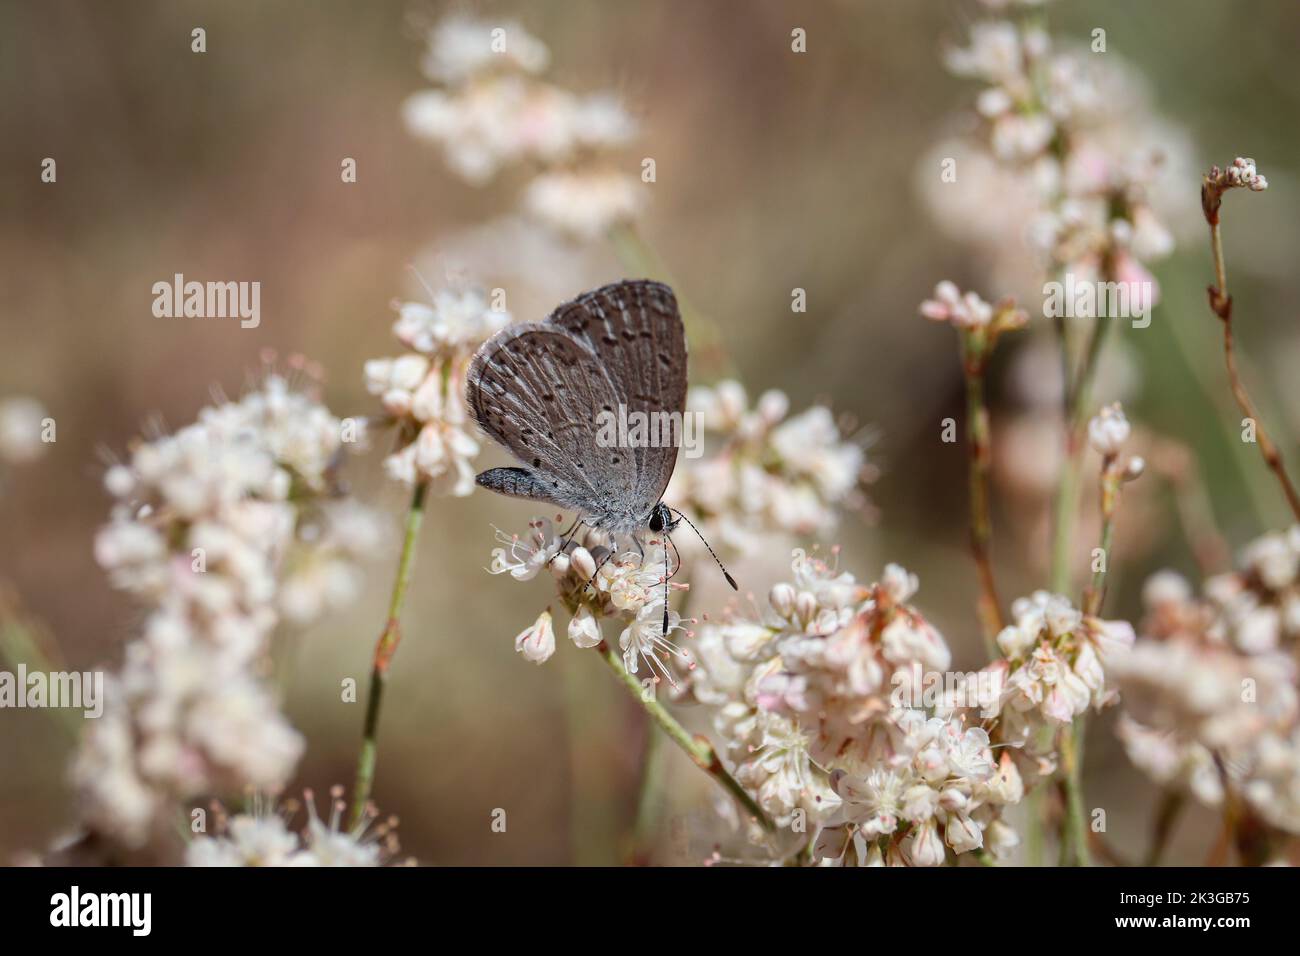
{"points": [[568, 539], [592, 579]]}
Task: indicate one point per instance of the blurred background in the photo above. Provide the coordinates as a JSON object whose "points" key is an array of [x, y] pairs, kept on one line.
{"points": [[775, 171]]}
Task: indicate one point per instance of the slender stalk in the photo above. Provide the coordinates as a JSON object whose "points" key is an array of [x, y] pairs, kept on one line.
{"points": [[1110, 482], [649, 799], [1171, 805], [697, 748], [654, 770], [20, 643], [1221, 305], [385, 648], [977, 440], [1074, 848], [1078, 398]]}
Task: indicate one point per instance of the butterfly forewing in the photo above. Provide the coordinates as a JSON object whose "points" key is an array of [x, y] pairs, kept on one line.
{"points": [[635, 327], [533, 388]]}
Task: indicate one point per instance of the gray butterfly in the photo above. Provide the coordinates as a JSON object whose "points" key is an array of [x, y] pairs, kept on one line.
{"points": [[539, 388]]}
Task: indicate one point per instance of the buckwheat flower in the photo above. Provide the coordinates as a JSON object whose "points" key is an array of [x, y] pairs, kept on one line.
{"points": [[328, 843], [1056, 665], [1241, 173], [523, 557], [250, 841], [327, 574], [1212, 688], [263, 838], [817, 725], [461, 47], [537, 641], [923, 846], [423, 393], [455, 323], [644, 640], [585, 204], [779, 769], [584, 629], [20, 429], [207, 527], [809, 445], [1108, 430], [763, 472], [595, 581], [995, 54], [968, 312]]}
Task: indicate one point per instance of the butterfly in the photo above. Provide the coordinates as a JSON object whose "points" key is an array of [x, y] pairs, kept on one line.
{"points": [[539, 389]]}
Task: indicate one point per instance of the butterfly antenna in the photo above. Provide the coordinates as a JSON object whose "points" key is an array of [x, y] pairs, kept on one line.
{"points": [[722, 567]]}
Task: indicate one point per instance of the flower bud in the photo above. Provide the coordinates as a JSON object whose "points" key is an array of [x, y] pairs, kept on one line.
{"points": [[781, 597], [1108, 430], [537, 643]]}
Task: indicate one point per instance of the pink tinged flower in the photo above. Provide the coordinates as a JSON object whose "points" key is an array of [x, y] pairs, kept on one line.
{"points": [[1112, 637], [831, 843], [584, 630], [1001, 839], [1014, 641], [945, 305], [1006, 785], [963, 834], [923, 846], [919, 802], [1059, 705], [537, 642]]}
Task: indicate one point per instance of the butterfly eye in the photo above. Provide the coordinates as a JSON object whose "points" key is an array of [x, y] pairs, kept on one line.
{"points": [[656, 521]]}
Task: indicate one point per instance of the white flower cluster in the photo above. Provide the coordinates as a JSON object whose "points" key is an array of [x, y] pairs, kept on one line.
{"points": [[808, 705], [1067, 156], [21, 421], [204, 533], [491, 110], [765, 471], [263, 838], [597, 580], [1054, 667], [423, 391], [1217, 676]]}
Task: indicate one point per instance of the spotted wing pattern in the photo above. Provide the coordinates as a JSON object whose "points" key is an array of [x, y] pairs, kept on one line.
{"points": [[635, 328], [537, 389]]}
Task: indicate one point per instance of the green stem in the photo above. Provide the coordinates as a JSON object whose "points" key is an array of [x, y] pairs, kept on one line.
{"points": [[1110, 482], [650, 799], [697, 748], [977, 440], [385, 648], [1076, 415], [1075, 839], [19, 645]]}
